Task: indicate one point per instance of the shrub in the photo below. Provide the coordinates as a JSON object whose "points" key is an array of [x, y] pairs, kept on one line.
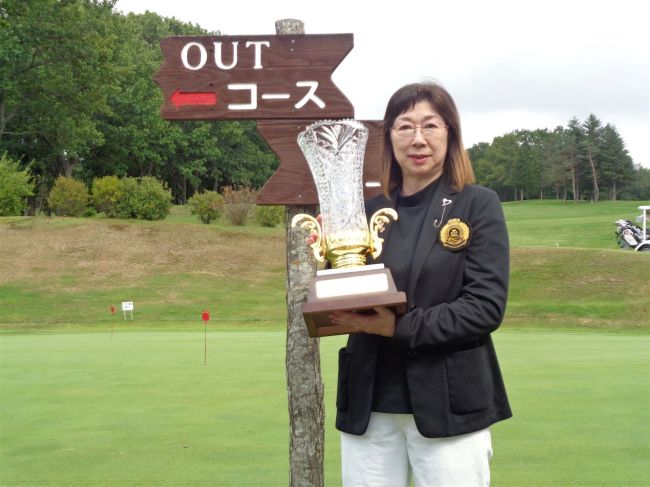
{"points": [[153, 199], [68, 197], [146, 199], [239, 203], [15, 187], [208, 206], [269, 216], [127, 200], [106, 193]]}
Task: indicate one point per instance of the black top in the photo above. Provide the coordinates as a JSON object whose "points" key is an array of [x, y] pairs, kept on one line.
{"points": [[391, 391]]}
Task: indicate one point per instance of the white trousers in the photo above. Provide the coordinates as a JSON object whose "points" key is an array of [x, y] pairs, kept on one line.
{"points": [[392, 452]]}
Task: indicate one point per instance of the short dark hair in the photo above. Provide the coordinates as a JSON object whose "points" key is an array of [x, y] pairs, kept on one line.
{"points": [[457, 166]]}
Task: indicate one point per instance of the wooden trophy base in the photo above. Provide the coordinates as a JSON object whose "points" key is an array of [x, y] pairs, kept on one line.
{"points": [[357, 289]]}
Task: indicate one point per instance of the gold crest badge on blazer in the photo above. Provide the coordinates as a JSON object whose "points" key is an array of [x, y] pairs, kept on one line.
{"points": [[454, 235]]}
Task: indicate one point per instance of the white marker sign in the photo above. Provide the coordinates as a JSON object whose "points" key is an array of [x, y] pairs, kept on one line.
{"points": [[127, 306]]}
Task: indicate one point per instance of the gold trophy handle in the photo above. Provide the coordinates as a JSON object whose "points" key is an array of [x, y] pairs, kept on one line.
{"points": [[377, 223], [310, 224]]}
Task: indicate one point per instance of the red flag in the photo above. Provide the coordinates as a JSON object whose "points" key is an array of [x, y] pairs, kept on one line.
{"points": [[205, 316]]}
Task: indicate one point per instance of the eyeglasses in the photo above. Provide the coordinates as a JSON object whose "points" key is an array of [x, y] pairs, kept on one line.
{"points": [[407, 130]]}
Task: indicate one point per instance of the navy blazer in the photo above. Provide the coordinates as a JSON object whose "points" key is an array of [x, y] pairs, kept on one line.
{"points": [[455, 300]]}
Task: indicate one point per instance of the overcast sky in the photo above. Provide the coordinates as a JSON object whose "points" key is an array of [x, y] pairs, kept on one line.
{"points": [[508, 64]]}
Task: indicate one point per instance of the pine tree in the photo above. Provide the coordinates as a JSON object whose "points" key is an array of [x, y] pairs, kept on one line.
{"points": [[593, 143], [616, 166]]}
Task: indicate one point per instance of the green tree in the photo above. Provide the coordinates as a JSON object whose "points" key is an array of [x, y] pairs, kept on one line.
{"points": [[137, 141], [527, 172], [592, 145], [561, 162], [639, 186], [55, 74], [191, 165], [616, 166], [244, 162], [503, 155], [77, 95], [188, 155], [15, 187], [556, 164], [573, 146], [487, 173]]}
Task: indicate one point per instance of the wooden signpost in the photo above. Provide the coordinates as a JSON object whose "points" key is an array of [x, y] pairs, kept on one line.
{"points": [[284, 82], [253, 77]]}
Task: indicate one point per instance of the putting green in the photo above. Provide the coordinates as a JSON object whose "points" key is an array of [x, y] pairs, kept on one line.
{"points": [[141, 409]]}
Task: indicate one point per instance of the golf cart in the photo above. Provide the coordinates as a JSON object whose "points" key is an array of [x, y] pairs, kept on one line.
{"points": [[630, 236]]}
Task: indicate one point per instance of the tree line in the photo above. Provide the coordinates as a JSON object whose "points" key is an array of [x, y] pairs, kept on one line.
{"points": [[77, 99], [582, 161]]}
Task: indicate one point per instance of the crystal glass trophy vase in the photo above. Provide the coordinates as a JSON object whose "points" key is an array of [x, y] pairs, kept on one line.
{"points": [[335, 151]]}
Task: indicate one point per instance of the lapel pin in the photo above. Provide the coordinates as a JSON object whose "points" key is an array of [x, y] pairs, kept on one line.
{"points": [[445, 203]]}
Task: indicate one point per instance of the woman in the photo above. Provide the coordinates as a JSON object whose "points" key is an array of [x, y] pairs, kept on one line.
{"points": [[417, 392]]}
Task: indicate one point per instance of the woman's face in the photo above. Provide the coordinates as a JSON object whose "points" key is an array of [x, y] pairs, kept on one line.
{"points": [[419, 138]]}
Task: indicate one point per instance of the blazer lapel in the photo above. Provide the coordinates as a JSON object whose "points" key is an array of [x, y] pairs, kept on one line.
{"points": [[438, 213]]}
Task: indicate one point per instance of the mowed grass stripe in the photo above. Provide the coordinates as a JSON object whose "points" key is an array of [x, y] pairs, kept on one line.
{"points": [[140, 409]]}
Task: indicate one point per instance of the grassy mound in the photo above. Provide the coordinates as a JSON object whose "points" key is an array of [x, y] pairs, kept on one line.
{"points": [[64, 272]]}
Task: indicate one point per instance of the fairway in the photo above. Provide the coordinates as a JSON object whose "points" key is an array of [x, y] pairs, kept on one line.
{"points": [[141, 409]]}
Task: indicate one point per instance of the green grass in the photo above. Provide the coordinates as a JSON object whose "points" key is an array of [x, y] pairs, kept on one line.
{"points": [[66, 273], [161, 302], [591, 288], [140, 409], [89, 399], [581, 410], [552, 223], [567, 271]]}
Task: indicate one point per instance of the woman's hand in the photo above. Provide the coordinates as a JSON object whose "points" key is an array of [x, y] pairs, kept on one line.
{"points": [[382, 322], [313, 237]]}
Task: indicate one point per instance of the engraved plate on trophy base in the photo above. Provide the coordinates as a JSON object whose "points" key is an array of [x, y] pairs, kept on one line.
{"points": [[357, 289]]}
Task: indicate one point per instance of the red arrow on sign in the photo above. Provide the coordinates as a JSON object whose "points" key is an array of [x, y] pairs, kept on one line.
{"points": [[180, 98]]}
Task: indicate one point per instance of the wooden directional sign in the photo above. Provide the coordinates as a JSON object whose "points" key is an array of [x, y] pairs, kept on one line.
{"points": [[253, 77], [292, 182]]}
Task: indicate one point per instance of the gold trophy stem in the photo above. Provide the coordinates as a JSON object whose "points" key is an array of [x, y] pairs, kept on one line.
{"points": [[348, 260]]}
